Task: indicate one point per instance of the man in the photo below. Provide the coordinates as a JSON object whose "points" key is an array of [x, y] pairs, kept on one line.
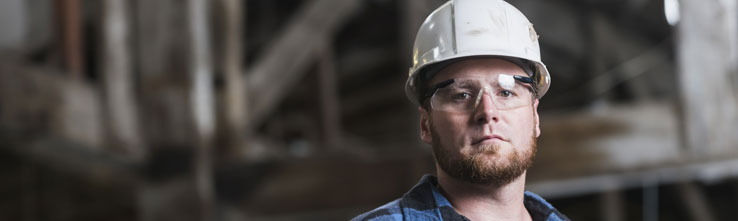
{"points": [[477, 78]]}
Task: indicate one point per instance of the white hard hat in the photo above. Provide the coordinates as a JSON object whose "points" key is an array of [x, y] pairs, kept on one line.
{"points": [[470, 28]]}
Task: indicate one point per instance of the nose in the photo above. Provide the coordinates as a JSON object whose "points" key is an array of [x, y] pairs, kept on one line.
{"points": [[486, 111]]}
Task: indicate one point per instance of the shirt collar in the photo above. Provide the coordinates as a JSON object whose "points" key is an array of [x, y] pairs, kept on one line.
{"points": [[425, 197]]}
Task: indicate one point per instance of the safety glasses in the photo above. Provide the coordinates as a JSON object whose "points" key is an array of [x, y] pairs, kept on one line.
{"points": [[466, 94]]}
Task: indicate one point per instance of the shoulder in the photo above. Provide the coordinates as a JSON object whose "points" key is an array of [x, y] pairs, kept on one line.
{"points": [[420, 203], [540, 209], [389, 211]]}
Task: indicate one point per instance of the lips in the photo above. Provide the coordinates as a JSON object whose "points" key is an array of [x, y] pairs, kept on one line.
{"points": [[488, 138]]}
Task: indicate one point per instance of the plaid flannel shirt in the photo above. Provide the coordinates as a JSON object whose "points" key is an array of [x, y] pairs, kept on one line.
{"points": [[425, 202]]}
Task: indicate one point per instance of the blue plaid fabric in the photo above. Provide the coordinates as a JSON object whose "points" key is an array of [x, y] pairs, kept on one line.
{"points": [[425, 202]]}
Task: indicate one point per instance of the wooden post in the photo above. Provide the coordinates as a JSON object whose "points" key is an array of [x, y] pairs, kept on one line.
{"points": [[707, 47], [68, 12], [329, 103], [611, 202], [695, 202], [173, 56], [234, 103], [121, 109], [650, 200], [201, 103]]}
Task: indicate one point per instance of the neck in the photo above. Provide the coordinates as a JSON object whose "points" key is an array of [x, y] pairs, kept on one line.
{"points": [[485, 201]]}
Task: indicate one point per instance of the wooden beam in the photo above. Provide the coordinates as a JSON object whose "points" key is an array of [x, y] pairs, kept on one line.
{"points": [[650, 200], [695, 202], [285, 61], [201, 103], [616, 138], [162, 58], [155, 38], [352, 182], [707, 51], [69, 156], [665, 174], [69, 12], [173, 54], [611, 205], [121, 116], [58, 105], [329, 103], [233, 103]]}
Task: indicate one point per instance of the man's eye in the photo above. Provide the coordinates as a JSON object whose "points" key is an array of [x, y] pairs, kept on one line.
{"points": [[506, 93], [461, 96]]}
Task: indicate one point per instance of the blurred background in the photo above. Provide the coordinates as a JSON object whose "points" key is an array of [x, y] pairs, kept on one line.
{"points": [[295, 109]]}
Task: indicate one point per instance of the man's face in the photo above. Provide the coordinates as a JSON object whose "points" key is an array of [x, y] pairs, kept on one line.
{"points": [[485, 145]]}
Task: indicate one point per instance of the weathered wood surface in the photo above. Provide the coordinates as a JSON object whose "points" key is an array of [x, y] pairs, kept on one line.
{"points": [[707, 50], [232, 101], [162, 69], [121, 113], [608, 139], [69, 13], [289, 55], [328, 98], [580, 152], [553, 174], [202, 102], [42, 101]]}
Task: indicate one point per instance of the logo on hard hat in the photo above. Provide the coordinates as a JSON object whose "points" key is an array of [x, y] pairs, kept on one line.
{"points": [[533, 34]]}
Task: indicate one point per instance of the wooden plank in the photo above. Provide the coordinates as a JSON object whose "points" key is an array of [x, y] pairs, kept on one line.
{"points": [[707, 47], [69, 12], [162, 62], [202, 103], [70, 157], [39, 101], [650, 200], [618, 138], [120, 106], [285, 61], [611, 205], [176, 111], [329, 103], [695, 202], [666, 174], [156, 36], [200, 69], [351, 182], [233, 102]]}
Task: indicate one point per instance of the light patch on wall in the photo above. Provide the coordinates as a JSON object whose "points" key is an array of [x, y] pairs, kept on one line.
{"points": [[671, 11]]}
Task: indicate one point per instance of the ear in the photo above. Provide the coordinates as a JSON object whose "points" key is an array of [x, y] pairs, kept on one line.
{"points": [[535, 115], [425, 133]]}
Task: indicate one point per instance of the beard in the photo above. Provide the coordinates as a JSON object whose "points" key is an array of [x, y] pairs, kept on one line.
{"points": [[475, 169]]}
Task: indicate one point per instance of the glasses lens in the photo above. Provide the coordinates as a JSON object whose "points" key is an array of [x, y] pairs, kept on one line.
{"points": [[466, 94]]}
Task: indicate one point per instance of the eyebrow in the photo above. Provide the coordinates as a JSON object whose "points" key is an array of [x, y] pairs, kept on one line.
{"points": [[448, 82]]}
